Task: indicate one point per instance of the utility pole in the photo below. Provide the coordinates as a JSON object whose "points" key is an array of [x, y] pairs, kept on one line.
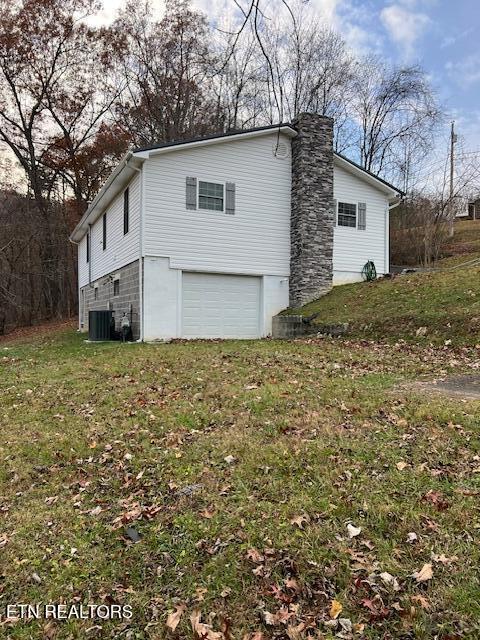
{"points": [[451, 209]]}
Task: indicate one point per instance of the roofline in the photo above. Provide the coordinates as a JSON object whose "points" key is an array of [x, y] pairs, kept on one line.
{"points": [[141, 154], [82, 226], [369, 173], [283, 127]]}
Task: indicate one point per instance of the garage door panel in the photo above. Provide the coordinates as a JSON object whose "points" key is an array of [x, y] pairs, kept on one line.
{"points": [[220, 306]]}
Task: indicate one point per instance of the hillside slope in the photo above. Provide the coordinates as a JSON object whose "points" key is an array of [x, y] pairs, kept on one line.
{"points": [[466, 240], [447, 303]]}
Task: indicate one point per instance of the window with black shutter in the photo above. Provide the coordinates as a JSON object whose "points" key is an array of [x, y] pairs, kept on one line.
{"points": [[126, 213], [104, 231]]}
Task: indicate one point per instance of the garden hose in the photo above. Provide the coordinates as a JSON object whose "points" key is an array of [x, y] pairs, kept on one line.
{"points": [[369, 271]]}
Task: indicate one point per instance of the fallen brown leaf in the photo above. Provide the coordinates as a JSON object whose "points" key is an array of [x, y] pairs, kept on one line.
{"points": [[296, 632], [336, 609], [255, 556], [442, 558], [203, 631], [422, 601], [424, 574], [436, 499], [174, 618], [300, 521]]}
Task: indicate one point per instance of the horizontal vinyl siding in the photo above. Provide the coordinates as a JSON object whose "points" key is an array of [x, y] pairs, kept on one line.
{"points": [[255, 240], [121, 250], [352, 247]]}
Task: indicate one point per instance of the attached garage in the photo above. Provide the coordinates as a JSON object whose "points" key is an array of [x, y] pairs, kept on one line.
{"points": [[220, 306]]}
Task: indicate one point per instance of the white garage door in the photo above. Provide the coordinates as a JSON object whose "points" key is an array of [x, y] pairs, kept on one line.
{"points": [[220, 306]]}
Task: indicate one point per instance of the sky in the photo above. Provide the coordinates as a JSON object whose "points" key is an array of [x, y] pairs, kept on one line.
{"points": [[441, 35]]}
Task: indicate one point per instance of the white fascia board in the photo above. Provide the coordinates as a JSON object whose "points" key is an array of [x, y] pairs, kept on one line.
{"points": [[286, 130], [116, 181], [393, 194]]}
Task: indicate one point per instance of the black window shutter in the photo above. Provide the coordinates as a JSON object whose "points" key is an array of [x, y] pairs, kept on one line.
{"points": [[104, 231], [126, 211]]}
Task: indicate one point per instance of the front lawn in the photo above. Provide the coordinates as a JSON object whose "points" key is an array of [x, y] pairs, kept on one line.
{"points": [[278, 489]]}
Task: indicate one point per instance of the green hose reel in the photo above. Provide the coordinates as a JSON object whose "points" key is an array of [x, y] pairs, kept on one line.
{"points": [[369, 271]]}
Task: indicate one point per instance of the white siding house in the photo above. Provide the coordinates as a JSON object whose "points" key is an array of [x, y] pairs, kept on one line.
{"points": [[121, 249], [255, 241], [352, 247], [208, 249]]}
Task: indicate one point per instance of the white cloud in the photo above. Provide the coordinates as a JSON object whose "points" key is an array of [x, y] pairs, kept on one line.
{"points": [[452, 39], [327, 9], [355, 21], [465, 72], [448, 41], [405, 27], [110, 8]]}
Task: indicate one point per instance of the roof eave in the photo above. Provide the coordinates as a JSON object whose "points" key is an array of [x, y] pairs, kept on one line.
{"points": [[203, 142], [379, 183], [104, 196]]}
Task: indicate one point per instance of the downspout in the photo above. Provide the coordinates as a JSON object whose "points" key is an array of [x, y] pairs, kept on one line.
{"points": [[393, 206], [386, 244], [90, 257], [387, 234], [89, 240], [140, 255]]}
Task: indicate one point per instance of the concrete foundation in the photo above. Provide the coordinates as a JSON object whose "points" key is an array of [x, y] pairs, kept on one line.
{"points": [[121, 297]]}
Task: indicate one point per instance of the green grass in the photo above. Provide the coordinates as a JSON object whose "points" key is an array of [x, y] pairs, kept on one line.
{"points": [[444, 303], [99, 437], [447, 303], [466, 239]]}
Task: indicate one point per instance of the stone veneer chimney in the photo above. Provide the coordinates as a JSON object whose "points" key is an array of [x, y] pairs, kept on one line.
{"points": [[311, 223]]}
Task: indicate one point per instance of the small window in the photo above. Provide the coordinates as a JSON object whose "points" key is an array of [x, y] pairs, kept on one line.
{"points": [[347, 215], [88, 247], [104, 231], [116, 287], [126, 214], [210, 196], [95, 293]]}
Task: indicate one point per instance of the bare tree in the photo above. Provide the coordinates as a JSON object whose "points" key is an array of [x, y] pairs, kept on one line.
{"points": [[23, 235], [239, 82], [78, 106], [38, 40], [392, 104], [166, 64], [419, 228], [319, 72]]}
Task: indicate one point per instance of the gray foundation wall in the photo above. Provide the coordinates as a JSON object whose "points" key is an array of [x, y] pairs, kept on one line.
{"points": [[127, 300]]}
